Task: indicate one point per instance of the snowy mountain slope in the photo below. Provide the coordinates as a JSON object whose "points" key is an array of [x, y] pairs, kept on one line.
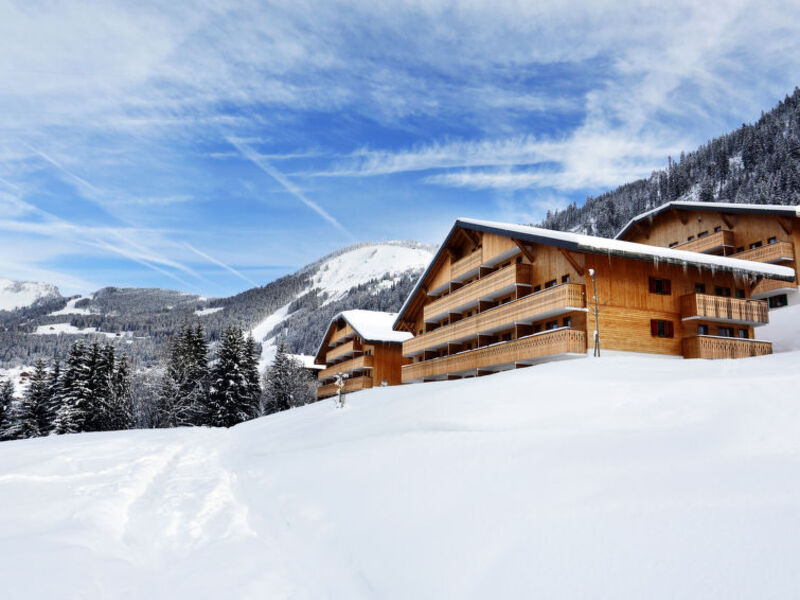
{"points": [[610, 478], [334, 281], [19, 294]]}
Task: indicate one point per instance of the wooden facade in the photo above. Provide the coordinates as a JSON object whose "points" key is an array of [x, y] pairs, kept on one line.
{"points": [[498, 297], [762, 233], [365, 358]]}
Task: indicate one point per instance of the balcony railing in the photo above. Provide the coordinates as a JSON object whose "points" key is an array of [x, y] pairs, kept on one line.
{"points": [[523, 350], [771, 253], [707, 346], [490, 287], [550, 302], [769, 287], [342, 334], [725, 310], [350, 385], [343, 350], [465, 266], [710, 243], [347, 366]]}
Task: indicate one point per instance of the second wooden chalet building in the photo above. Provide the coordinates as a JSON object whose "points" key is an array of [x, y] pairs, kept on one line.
{"points": [[362, 346], [766, 233], [498, 296]]}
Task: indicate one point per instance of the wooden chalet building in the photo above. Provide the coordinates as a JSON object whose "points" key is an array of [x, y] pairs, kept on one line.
{"points": [[361, 345], [498, 296], [760, 232]]}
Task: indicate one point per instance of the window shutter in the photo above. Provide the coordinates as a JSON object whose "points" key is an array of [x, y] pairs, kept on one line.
{"points": [[652, 285], [667, 287], [670, 329], [654, 327]]}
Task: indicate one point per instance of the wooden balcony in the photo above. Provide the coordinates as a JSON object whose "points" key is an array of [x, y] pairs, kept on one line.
{"points": [[713, 242], [709, 346], [724, 310], [553, 301], [501, 355], [771, 287], [466, 267], [771, 253], [341, 335], [348, 366], [490, 287], [351, 385], [343, 350]]}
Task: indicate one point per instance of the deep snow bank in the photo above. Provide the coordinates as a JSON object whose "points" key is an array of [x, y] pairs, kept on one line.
{"points": [[610, 478]]}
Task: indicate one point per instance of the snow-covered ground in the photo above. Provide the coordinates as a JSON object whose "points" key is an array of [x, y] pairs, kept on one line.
{"points": [[19, 294], [68, 328], [71, 309], [622, 477]]}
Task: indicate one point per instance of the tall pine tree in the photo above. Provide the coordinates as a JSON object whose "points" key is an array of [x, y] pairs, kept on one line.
{"points": [[76, 393], [6, 402], [29, 412], [231, 398]]}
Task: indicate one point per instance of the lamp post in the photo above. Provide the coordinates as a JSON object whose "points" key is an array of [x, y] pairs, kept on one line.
{"points": [[596, 316]]}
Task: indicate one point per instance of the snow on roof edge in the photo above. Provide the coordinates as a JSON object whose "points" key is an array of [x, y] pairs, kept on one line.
{"points": [[790, 210]]}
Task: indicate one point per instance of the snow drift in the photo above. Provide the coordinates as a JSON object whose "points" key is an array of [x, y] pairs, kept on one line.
{"points": [[621, 477]]}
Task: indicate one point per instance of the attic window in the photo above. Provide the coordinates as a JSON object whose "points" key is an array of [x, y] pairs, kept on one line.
{"points": [[717, 229], [754, 245], [673, 244], [690, 238], [702, 234], [772, 240]]}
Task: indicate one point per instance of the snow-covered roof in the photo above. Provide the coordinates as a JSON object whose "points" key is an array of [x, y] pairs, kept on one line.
{"points": [[371, 325], [726, 207], [598, 245]]}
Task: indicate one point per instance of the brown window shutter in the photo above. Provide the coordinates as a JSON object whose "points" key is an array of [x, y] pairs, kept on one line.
{"points": [[670, 329], [652, 285], [653, 327], [668, 287]]}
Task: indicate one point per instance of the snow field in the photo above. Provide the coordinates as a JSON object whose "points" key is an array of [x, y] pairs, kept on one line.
{"points": [[622, 477]]}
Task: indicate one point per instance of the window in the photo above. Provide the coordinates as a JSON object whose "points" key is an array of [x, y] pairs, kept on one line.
{"points": [[550, 283], [662, 329], [660, 286], [778, 301], [739, 293], [722, 291], [506, 337], [725, 331], [717, 229], [504, 300], [772, 240], [699, 288], [673, 244], [702, 234], [755, 245], [702, 330], [537, 288], [744, 334], [537, 328], [567, 322], [690, 238], [565, 279], [551, 325], [740, 249]]}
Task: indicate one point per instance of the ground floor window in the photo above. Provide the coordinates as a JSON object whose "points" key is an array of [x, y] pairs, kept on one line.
{"points": [[725, 331], [778, 301], [702, 329], [662, 329], [744, 334]]}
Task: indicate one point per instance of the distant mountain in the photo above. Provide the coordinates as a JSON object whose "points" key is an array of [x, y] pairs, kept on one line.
{"points": [[297, 306], [757, 164], [21, 294]]}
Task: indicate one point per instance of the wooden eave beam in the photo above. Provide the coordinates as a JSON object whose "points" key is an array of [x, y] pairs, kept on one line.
{"points": [[786, 225], [575, 264], [527, 251], [682, 215], [641, 229], [726, 219], [755, 282], [473, 237]]}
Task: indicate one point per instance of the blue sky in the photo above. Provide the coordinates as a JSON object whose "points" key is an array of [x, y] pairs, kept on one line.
{"points": [[208, 147]]}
